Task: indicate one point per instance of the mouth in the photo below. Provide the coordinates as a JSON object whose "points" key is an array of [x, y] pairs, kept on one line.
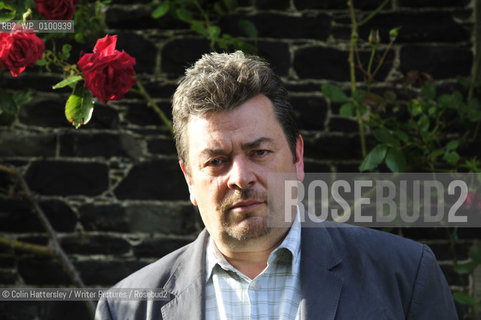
{"points": [[246, 206]]}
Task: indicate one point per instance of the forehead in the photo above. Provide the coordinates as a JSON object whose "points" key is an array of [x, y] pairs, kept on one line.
{"points": [[253, 119]]}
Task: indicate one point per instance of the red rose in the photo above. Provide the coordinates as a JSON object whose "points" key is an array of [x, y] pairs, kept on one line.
{"points": [[108, 73], [19, 48], [473, 201], [56, 9]]}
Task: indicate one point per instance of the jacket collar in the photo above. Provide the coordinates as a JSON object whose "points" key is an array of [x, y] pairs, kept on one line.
{"points": [[321, 286], [187, 283]]}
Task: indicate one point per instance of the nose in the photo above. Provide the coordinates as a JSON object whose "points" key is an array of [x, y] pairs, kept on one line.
{"points": [[241, 174]]}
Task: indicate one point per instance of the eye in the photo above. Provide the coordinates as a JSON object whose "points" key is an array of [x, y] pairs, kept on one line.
{"points": [[216, 162], [260, 153]]}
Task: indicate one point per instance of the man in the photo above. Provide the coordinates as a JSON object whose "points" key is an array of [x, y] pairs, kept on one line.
{"points": [[234, 127]]}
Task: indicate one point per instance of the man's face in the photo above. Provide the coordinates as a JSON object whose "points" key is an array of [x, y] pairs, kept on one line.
{"points": [[230, 155]]}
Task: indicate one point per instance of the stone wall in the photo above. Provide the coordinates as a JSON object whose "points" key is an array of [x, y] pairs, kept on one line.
{"points": [[113, 189]]}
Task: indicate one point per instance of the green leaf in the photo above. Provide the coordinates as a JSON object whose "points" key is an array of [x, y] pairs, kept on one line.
{"points": [[222, 44], [199, 27], [458, 97], [464, 298], [248, 28], [450, 101], [67, 82], [8, 12], [474, 166], [373, 158], [333, 92], [402, 135], [41, 62], [7, 104], [184, 15], [161, 10], [429, 91], [437, 153], [452, 145], [474, 110], [374, 100], [359, 95], [416, 107], [213, 31], [79, 107], [423, 123], [245, 47], [395, 160], [6, 16], [465, 268], [390, 96], [23, 97], [432, 111], [475, 254], [79, 37], [66, 48], [464, 81], [230, 4], [452, 157], [8, 6], [385, 136], [218, 9], [362, 109], [347, 110], [475, 103]]}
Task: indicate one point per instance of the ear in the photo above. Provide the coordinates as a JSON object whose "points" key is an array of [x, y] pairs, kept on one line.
{"points": [[189, 181], [300, 158]]}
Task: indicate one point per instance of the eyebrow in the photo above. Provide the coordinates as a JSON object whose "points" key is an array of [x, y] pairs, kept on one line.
{"points": [[256, 143], [245, 146]]}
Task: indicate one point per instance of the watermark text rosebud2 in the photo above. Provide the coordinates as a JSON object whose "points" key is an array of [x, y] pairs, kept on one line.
{"points": [[380, 200]]}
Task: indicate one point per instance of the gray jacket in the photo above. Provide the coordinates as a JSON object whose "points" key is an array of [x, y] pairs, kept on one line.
{"points": [[346, 273]]}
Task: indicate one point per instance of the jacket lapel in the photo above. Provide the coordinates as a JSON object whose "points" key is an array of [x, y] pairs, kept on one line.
{"points": [[187, 284], [321, 286]]}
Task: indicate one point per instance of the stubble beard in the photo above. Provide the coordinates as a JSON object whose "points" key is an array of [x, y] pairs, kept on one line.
{"points": [[234, 230]]}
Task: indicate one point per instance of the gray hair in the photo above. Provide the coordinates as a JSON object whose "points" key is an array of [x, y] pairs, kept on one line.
{"points": [[221, 82]]}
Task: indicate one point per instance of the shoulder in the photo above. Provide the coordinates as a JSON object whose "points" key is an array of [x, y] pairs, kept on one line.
{"points": [[174, 273], [366, 240], [156, 274], [397, 276], [367, 250]]}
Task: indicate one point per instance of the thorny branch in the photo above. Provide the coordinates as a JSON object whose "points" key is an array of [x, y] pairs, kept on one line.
{"points": [[54, 249]]}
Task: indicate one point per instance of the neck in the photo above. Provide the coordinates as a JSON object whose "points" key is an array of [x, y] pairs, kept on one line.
{"points": [[249, 262]]}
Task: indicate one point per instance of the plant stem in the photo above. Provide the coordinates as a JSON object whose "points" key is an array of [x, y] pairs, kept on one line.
{"points": [[474, 78], [475, 133], [476, 72], [373, 14], [359, 63], [27, 247], [352, 69], [56, 249], [26, 15], [151, 103], [369, 66], [381, 61], [202, 12]]}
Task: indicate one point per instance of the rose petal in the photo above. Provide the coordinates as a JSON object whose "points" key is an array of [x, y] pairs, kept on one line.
{"points": [[106, 45]]}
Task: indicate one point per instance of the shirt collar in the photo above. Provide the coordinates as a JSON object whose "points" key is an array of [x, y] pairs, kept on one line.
{"points": [[292, 243]]}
